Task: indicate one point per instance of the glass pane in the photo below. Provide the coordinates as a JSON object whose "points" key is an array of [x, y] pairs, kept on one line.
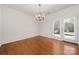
{"points": [[57, 27], [69, 27]]}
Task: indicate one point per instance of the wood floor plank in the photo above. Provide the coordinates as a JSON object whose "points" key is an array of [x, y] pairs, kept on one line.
{"points": [[39, 46]]}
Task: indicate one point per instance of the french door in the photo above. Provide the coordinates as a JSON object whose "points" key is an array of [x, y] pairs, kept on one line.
{"points": [[67, 29], [70, 29]]}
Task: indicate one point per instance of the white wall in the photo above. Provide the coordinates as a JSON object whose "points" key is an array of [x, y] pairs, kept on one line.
{"points": [[0, 25], [47, 25], [17, 25], [78, 29]]}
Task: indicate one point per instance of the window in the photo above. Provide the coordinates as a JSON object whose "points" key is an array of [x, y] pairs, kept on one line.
{"points": [[57, 27], [69, 28]]}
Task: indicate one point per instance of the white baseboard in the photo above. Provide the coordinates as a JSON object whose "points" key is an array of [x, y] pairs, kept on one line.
{"points": [[9, 41], [59, 38]]}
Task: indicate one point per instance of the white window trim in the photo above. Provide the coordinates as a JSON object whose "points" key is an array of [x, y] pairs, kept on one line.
{"points": [[69, 39], [76, 30]]}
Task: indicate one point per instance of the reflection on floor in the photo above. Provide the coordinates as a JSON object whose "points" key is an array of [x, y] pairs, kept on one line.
{"points": [[39, 46]]}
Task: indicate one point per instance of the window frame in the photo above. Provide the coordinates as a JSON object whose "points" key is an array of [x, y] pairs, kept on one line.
{"points": [[61, 35]]}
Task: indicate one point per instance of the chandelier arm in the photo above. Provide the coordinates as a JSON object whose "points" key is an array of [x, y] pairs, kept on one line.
{"points": [[39, 17]]}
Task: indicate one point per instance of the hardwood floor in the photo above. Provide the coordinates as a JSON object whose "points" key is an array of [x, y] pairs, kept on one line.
{"points": [[39, 46]]}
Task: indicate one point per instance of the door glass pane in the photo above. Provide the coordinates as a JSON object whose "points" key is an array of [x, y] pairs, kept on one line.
{"points": [[57, 28], [69, 28]]}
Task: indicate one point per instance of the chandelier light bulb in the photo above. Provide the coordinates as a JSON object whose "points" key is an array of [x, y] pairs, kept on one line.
{"points": [[39, 17]]}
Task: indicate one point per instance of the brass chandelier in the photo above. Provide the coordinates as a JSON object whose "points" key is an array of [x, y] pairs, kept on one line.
{"points": [[39, 17]]}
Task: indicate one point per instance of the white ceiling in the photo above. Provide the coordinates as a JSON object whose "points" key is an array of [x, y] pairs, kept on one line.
{"points": [[33, 9]]}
